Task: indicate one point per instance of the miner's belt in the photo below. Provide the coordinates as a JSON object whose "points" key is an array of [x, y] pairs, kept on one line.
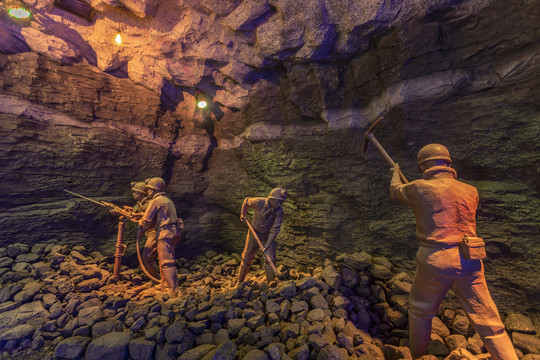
{"points": [[437, 245]]}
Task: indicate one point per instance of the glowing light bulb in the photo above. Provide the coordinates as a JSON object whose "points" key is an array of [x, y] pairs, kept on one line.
{"points": [[201, 99], [118, 39], [19, 13]]}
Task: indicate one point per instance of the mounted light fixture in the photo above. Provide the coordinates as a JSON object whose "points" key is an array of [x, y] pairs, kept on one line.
{"points": [[118, 39], [81, 8], [17, 9], [201, 99]]}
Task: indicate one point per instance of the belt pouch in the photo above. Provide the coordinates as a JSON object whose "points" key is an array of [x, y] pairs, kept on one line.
{"points": [[472, 248]]}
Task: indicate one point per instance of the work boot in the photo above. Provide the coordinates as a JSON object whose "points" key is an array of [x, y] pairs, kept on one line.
{"points": [[270, 276], [419, 335], [500, 347], [243, 272], [170, 275]]}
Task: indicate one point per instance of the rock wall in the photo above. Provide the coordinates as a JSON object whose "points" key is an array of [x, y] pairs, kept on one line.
{"points": [[292, 91]]}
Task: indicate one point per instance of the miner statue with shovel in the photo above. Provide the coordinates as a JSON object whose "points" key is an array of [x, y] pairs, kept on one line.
{"points": [[263, 229], [450, 254]]}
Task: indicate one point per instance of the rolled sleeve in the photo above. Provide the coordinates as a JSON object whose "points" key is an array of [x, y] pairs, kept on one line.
{"points": [[149, 214], [399, 192]]}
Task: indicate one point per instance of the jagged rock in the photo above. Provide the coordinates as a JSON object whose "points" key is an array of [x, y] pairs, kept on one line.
{"points": [[272, 307], [332, 277], [27, 258], [455, 342], [519, 323], [8, 292], [112, 346], [18, 333], [14, 250], [396, 352], [437, 346], [90, 315], [235, 325], [528, 344], [88, 285], [460, 325], [319, 302], [31, 313], [197, 352], [288, 289], [255, 354], [439, 328], [101, 328], [6, 262], [460, 354], [531, 357], [331, 352], [306, 283], [358, 261], [71, 348], [380, 272]]}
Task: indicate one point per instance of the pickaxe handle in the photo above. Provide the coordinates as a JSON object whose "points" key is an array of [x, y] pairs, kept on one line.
{"points": [[261, 246], [369, 136]]}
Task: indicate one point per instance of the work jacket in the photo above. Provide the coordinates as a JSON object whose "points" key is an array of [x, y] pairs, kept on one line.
{"points": [[445, 208], [160, 213], [266, 220]]}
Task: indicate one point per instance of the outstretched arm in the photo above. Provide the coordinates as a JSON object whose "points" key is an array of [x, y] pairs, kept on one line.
{"points": [[397, 186], [243, 212]]}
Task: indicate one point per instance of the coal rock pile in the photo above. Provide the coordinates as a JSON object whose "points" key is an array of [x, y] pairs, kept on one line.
{"points": [[58, 302]]}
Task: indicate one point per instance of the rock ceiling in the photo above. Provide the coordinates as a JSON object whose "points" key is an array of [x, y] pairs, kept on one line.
{"points": [[221, 47]]}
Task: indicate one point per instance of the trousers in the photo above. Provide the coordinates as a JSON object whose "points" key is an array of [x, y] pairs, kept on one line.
{"points": [[439, 271]]}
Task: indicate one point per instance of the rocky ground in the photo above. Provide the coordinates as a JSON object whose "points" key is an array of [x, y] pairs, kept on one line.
{"points": [[62, 303]]}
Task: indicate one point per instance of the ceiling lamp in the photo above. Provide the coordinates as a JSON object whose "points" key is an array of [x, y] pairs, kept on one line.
{"points": [[118, 39], [17, 9], [81, 8], [201, 99]]}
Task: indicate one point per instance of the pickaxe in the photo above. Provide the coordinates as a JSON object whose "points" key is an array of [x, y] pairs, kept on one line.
{"points": [[368, 136]]}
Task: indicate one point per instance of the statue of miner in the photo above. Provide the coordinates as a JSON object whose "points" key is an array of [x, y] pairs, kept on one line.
{"points": [[150, 247], [161, 215], [450, 254], [267, 218]]}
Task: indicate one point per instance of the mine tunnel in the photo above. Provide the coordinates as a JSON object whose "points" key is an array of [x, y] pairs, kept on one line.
{"points": [[276, 125]]}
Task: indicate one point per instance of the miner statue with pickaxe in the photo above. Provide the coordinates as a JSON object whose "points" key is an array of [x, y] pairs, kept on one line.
{"points": [[450, 254], [263, 230]]}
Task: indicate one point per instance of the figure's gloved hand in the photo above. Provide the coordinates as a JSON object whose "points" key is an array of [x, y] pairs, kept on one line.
{"points": [[243, 218], [395, 168]]}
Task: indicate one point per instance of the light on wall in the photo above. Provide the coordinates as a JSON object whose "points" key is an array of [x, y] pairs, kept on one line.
{"points": [[17, 9], [201, 99], [118, 39]]}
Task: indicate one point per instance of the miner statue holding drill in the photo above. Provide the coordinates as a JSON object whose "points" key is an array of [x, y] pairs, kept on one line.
{"points": [[161, 215], [450, 254]]}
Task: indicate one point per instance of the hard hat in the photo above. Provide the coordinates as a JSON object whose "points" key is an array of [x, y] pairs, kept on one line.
{"points": [[433, 152], [278, 193], [156, 183], [139, 187]]}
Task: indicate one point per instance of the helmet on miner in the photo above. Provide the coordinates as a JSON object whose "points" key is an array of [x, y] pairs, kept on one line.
{"points": [[156, 184], [139, 186], [433, 152], [278, 194]]}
